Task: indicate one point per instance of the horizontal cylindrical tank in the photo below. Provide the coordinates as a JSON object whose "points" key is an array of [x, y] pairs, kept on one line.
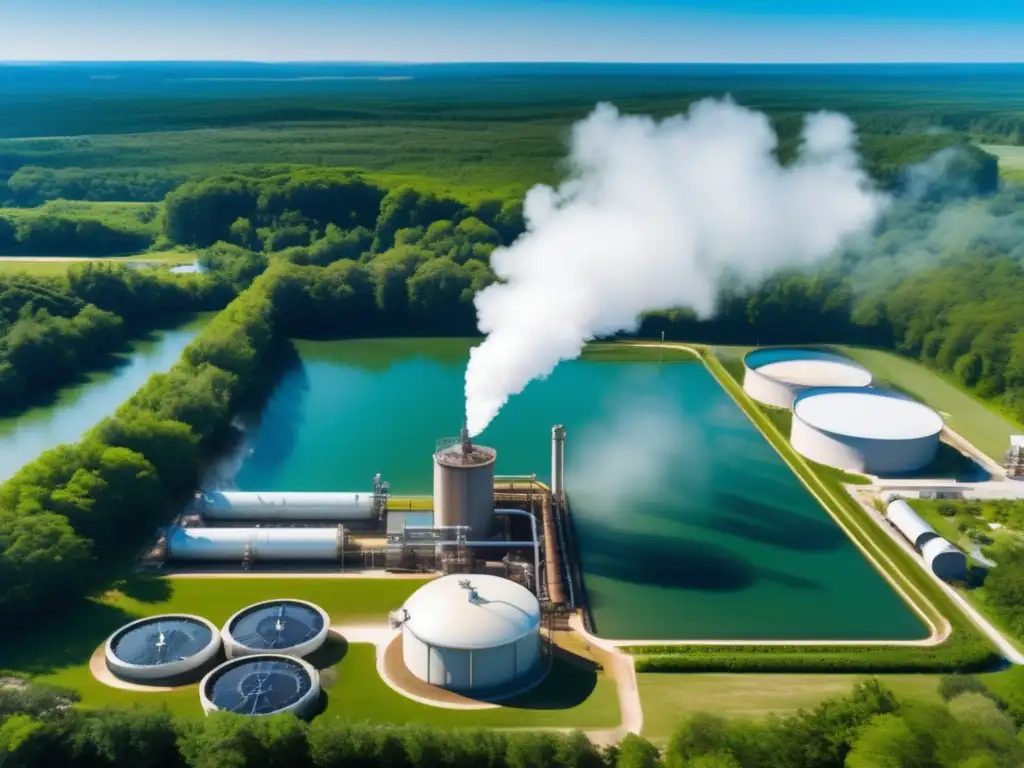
{"points": [[905, 520], [288, 505], [464, 488], [266, 544], [945, 561]]}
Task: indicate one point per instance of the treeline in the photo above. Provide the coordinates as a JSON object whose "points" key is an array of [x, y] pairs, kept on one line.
{"points": [[55, 235], [870, 728], [54, 328], [296, 209], [75, 506], [33, 185]]}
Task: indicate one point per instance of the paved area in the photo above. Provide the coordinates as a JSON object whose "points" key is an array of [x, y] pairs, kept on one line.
{"points": [[98, 668]]}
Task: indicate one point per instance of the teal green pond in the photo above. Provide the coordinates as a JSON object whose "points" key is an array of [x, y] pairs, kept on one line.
{"points": [[77, 408], [690, 525]]}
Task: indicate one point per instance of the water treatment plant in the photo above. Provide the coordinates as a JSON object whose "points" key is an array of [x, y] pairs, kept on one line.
{"points": [[648, 538]]}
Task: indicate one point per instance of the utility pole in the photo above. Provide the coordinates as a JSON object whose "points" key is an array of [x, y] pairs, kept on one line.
{"points": [[661, 350]]}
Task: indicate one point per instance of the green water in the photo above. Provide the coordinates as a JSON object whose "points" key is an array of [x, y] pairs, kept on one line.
{"points": [[77, 408], [690, 524]]}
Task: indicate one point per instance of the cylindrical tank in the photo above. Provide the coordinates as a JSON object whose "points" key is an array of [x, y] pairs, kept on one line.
{"points": [[266, 544], [464, 487], [558, 461], [945, 561], [909, 523], [289, 505]]}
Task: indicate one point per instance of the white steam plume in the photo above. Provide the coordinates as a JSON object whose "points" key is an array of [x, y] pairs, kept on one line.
{"points": [[651, 216]]}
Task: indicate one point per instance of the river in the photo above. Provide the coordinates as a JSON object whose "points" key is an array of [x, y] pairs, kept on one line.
{"points": [[690, 525], [77, 408]]}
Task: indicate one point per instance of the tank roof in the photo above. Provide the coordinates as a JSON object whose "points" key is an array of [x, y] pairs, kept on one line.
{"points": [[459, 455], [866, 413], [472, 612]]}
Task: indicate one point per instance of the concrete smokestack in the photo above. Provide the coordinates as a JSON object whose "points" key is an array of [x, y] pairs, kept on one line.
{"points": [[558, 461]]}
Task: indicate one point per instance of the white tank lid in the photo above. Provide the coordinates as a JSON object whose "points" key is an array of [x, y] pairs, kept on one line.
{"points": [[472, 611]]}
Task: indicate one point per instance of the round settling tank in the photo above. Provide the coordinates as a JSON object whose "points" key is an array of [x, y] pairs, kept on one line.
{"points": [[865, 430], [268, 684], [464, 487], [161, 648], [776, 376], [288, 627], [471, 633]]}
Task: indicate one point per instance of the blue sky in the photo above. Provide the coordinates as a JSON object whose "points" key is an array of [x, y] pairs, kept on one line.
{"points": [[515, 30]]}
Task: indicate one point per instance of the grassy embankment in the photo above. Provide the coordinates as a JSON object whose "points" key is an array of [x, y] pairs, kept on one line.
{"points": [[573, 696]]}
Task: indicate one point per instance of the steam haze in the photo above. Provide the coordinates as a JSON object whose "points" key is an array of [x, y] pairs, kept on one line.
{"points": [[650, 217]]}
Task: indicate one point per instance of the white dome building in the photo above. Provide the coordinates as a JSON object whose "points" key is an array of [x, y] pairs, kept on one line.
{"points": [[865, 430], [471, 632]]}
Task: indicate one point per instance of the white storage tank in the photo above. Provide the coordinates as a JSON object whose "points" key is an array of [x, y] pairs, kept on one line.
{"points": [[905, 520], [288, 505], [158, 649], [258, 544], [464, 486], [775, 376], [471, 633], [945, 561], [865, 430]]}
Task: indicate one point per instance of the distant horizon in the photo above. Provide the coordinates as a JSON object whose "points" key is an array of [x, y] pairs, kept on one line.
{"points": [[535, 31], [537, 62]]}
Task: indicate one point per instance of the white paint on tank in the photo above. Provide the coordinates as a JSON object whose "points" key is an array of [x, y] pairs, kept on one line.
{"points": [[285, 505], [221, 544]]}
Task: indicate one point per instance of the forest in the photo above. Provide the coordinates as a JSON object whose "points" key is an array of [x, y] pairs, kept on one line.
{"points": [[869, 728]]}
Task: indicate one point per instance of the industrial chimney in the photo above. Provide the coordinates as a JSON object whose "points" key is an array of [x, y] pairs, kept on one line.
{"points": [[558, 462]]}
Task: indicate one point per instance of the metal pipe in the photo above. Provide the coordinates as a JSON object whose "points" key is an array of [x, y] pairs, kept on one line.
{"points": [[529, 478], [561, 539], [558, 461], [533, 528]]}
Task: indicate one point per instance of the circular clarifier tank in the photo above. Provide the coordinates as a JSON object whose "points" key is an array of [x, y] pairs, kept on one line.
{"points": [[265, 684], [775, 376], [161, 648], [865, 430], [289, 627]]}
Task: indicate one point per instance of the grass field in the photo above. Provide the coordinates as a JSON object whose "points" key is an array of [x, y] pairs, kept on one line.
{"points": [[1011, 161], [59, 265], [978, 422], [59, 654], [669, 697]]}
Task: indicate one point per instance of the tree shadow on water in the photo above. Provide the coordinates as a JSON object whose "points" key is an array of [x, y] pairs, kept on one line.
{"points": [[768, 524], [663, 561]]}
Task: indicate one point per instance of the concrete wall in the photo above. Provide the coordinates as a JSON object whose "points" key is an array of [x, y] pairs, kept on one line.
{"points": [[856, 454]]}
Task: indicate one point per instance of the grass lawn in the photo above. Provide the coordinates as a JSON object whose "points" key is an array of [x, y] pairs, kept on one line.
{"points": [[669, 697], [977, 421], [59, 265], [1011, 161], [59, 654]]}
